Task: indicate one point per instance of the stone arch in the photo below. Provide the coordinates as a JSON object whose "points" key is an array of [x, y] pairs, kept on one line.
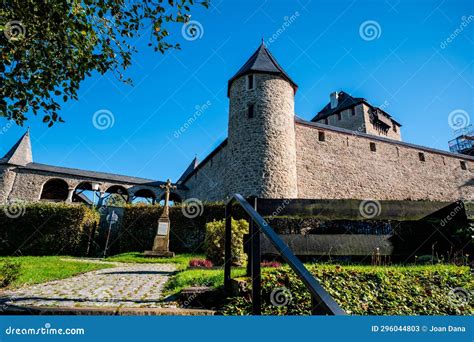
{"points": [[86, 192], [55, 189], [143, 196], [115, 195], [174, 198]]}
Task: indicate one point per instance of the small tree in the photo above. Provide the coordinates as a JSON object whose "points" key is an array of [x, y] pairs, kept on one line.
{"points": [[48, 47], [214, 241]]}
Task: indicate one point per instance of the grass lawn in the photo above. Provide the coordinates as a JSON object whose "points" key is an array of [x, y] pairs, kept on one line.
{"points": [[199, 277], [181, 260], [42, 269]]}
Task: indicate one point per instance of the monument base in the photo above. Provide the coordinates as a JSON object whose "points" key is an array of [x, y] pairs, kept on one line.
{"points": [[158, 254]]}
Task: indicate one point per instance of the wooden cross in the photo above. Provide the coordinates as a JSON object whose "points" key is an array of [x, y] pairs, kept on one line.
{"points": [[168, 187]]}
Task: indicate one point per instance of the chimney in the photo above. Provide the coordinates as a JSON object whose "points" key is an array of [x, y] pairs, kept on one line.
{"points": [[333, 96]]}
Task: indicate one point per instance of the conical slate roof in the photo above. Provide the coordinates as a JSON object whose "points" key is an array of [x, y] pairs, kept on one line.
{"points": [[20, 153], [262, 61]]}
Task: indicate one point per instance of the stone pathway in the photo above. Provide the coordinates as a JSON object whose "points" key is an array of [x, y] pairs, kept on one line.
{"points": [[127, 285]]}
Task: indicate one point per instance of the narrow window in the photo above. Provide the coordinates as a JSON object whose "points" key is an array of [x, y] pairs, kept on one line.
{"points": [[463, 165], [321, 136], [326, 121], [421, 156], [373, 148], [250, 111], [339, 117], [250, 82]]}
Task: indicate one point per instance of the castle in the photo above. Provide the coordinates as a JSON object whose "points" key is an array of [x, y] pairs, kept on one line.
{"points": [[350, 149]]}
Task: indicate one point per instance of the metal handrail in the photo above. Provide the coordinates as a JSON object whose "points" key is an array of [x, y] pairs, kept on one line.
{"points": [[323, 303]]}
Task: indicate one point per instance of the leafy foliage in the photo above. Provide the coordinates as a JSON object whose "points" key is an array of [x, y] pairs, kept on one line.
{"points": [[214, 241], [46, 228], [363, 290], [9, 272], [49, 47]]}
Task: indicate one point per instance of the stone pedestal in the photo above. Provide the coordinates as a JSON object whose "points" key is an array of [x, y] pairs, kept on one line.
{"points": [[162, 240]]}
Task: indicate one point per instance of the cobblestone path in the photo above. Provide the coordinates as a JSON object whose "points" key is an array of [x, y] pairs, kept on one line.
{"points": [[127, 285]]}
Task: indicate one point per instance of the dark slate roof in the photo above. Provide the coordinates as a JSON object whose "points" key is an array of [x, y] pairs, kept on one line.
{"points": [[91, 174], [318, 125], [345, 101], [190, 169], [262, 61]]}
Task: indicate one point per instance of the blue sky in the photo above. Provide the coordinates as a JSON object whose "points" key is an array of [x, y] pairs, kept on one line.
{"points": [[408, 67]]}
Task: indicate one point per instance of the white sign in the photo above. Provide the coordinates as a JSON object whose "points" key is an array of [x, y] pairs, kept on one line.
{"points": [[162, 228], [112, 218]]}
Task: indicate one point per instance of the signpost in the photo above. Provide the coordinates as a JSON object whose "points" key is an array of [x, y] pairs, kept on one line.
{"points": [[111, 219], [162, 237]]}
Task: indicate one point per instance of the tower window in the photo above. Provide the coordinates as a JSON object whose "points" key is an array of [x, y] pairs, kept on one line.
{"points": [[250, 111], [339, 116], [321, 136], [373, 148], [421, 156], [326, 121], [353, 112], [395, 128], [463, 165], [250, 82]]}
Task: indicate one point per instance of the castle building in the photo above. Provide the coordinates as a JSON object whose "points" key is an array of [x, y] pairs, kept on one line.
{"points": [[350, 149]]}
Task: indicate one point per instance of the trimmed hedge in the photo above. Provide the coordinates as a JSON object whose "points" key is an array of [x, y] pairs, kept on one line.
{"points": [[40, 228], [364, 290], [187, 234]]}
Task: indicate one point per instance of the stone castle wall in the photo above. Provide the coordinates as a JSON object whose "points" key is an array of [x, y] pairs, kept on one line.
{"points": [[261, 154], [208, 183], [343, 166], [370, 129], [7, 178]]}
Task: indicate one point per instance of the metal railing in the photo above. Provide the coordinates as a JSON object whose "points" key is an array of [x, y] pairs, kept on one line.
{"points": [[322, 302]]}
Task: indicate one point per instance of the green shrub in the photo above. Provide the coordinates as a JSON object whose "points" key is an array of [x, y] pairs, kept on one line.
{"points": [[214, 241], [9, 272], [365, 290], [44, 228]]}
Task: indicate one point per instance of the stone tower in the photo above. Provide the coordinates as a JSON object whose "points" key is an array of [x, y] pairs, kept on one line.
{"points": [[261, 144]]}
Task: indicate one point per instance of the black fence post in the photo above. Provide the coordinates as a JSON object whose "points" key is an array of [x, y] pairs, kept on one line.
{"points": [[255, 267], [227, 247]]}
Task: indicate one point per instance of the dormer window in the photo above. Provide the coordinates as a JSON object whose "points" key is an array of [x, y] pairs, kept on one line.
{"points": [[250, 82]]}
